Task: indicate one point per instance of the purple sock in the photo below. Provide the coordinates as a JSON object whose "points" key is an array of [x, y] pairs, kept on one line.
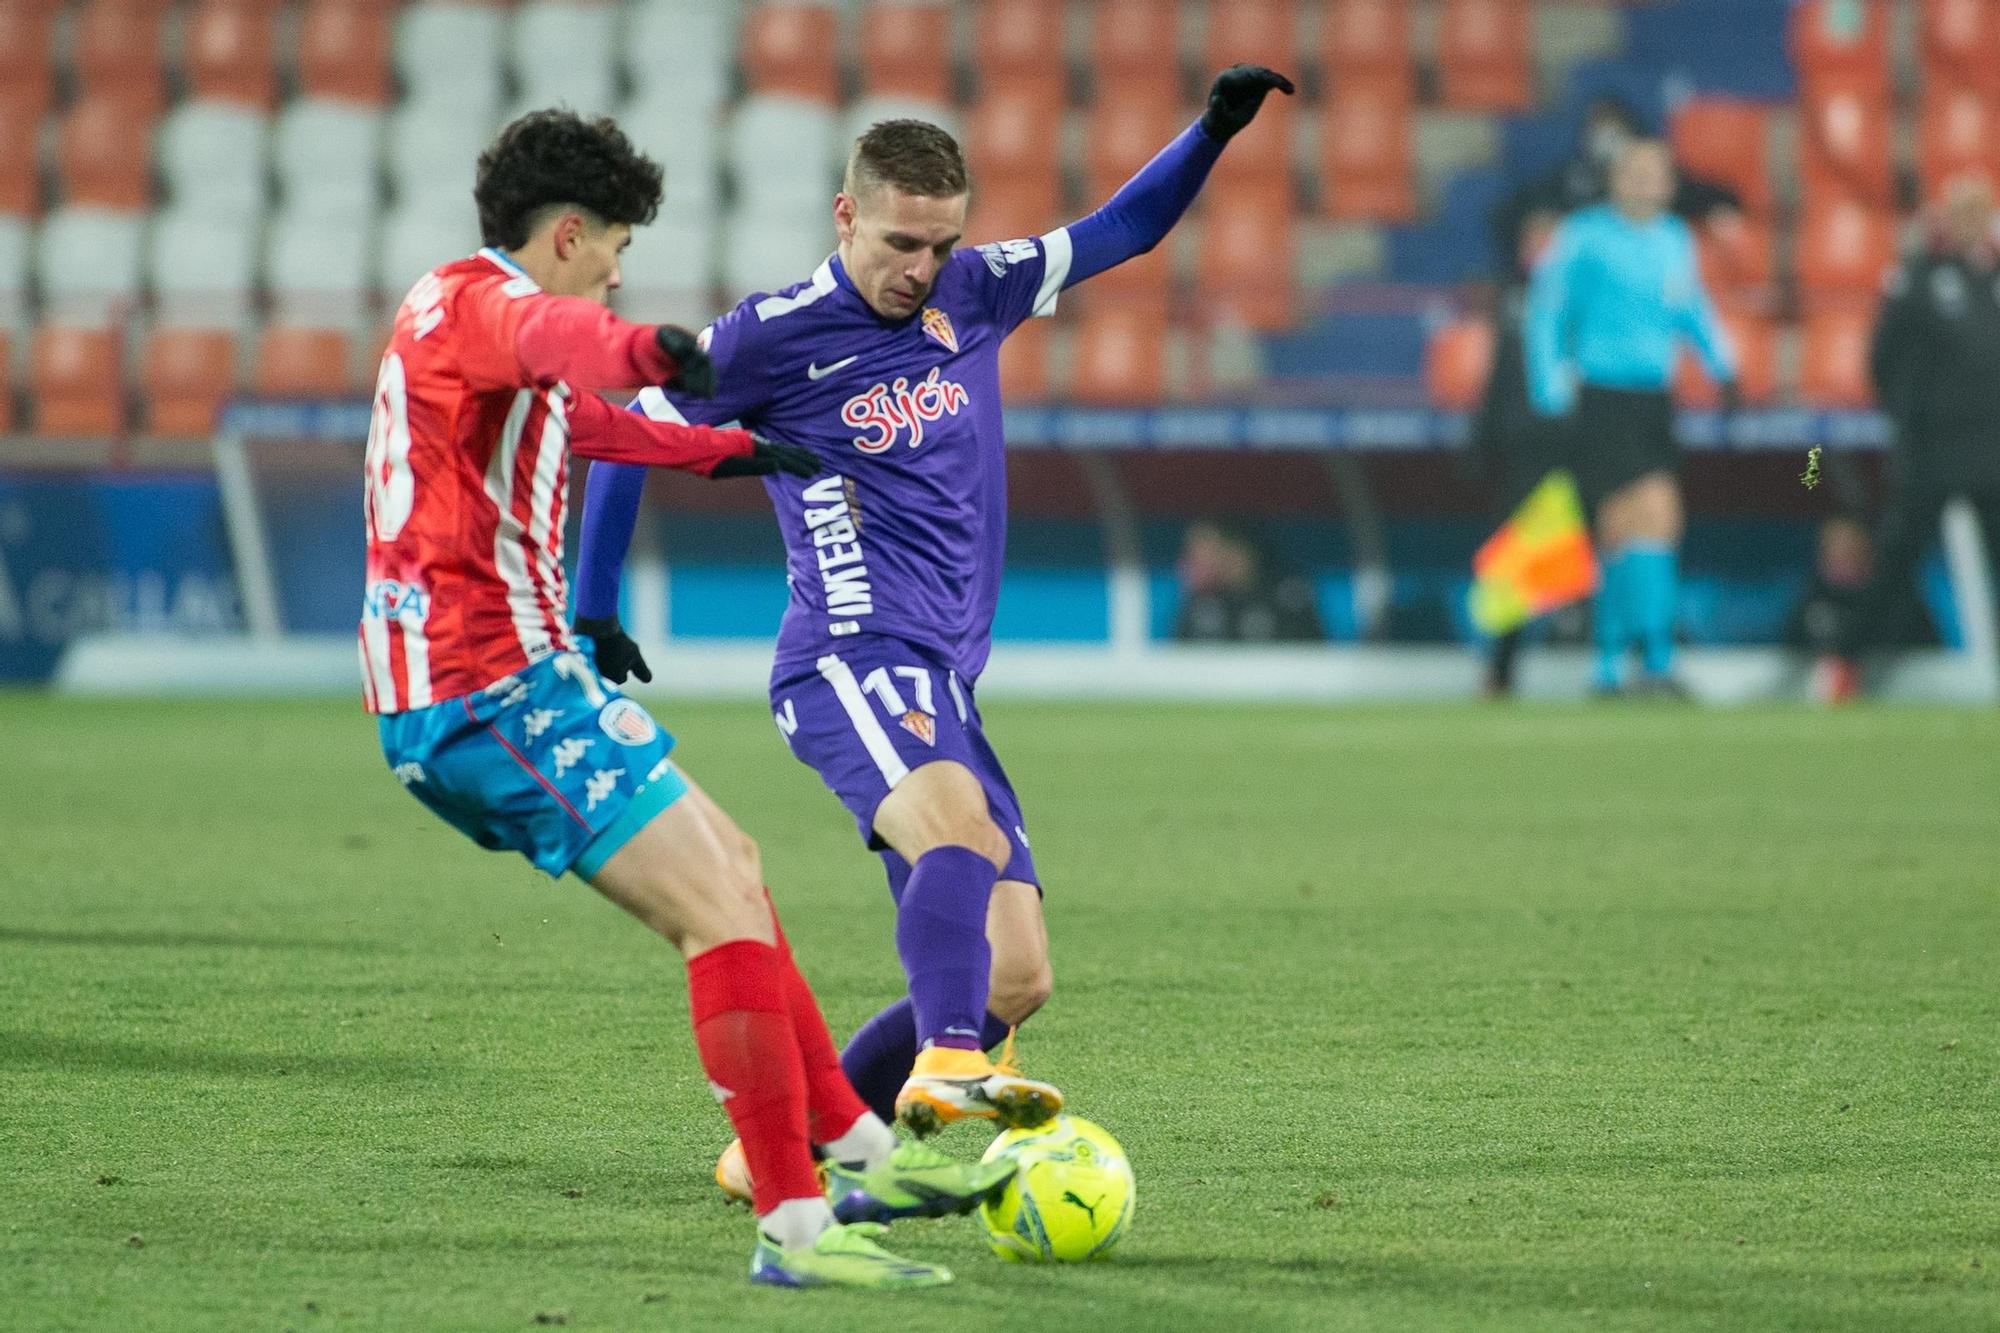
{"points": [[941, 938], [879, 1055]]}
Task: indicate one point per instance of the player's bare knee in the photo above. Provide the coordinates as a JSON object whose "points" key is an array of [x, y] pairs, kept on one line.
{"points": [[1018, 992]]}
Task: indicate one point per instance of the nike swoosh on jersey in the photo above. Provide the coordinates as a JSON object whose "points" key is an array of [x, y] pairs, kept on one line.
{"points": [[815, 372]]}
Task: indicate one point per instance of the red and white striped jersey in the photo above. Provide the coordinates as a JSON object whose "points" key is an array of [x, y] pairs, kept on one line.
{"points": [[468, 473]]}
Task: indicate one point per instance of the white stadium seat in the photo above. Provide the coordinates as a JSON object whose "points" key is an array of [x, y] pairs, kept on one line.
{"points": [[682, 49], [565, 54], [416, 240], [782, 152], [317, 271], [16, 236], [449, 55], [763, 251], [872, 110], [212, 156], [88, 263], [686, 142], [328, 155], [201, 273], [669, 270], [434, 157]]}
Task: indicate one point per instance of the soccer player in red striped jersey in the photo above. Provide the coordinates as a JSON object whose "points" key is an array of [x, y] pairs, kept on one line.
{"points": [[493, 715]]}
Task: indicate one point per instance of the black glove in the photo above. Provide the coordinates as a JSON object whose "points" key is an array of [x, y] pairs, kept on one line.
{"points": [[1235, 96], [617, 656], [696, 376], [769, 456]]}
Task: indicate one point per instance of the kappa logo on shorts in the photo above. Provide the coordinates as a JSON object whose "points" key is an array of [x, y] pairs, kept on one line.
{"points": [[569, 752], [601, 784], [509, 690], [627, 723], [409, 772], [921, 725], [538, 721]]}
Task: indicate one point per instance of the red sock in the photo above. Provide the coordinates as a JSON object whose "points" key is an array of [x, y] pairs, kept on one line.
{"points": [[831, 1101], [743, 1030]]}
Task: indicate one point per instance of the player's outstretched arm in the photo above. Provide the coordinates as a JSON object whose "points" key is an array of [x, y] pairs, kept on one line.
{"points": [[1145, 209], [534, 340]]}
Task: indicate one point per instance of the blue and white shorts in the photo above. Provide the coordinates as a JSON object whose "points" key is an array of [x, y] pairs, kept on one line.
{"points": [[551, 762]]}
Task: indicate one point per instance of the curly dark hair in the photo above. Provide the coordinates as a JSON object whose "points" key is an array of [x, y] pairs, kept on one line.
{"points": [[553, 158]]}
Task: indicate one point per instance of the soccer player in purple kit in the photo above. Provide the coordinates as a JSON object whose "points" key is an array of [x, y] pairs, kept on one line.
{"points": [[886, 364]]}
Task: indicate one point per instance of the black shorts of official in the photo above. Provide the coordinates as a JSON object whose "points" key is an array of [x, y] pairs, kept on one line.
{"points": [[1619, 436]]}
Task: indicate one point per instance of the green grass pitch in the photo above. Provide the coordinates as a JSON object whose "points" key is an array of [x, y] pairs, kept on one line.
{"points": [[1436, 1019]]}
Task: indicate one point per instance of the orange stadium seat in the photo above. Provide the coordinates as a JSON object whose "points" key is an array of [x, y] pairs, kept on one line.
{"points": [[1012, 206], [75, 382], [1727, 141], [906, 51], [1738, 261], [1956, 134], [187, 375], [1015, 46], [1484, 60], [1024, 362], [790, 49], [296, 362], [102, 155], [1755, 340], [20, 188], [117, 53], [1365, 153], [1822, 50], [27, 74], [6, 383], [1846, 145], [1458, 360], [1833, 356], [227, 48], [1253, 32], [1958, 40], [344, 51], [1119, 358], [1007, 135], [1123, 136], [1844, 248], [1144, 285], [1247, 257], [1135, 51], [1367, 38], [1259, 159]]}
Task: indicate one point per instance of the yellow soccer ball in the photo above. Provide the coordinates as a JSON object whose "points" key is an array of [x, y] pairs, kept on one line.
{"points": [[1070, 1197]]}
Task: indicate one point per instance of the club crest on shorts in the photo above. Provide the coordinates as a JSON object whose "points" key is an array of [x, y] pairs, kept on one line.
{"points": [[627, 723], [938, 325], [921, 725]]}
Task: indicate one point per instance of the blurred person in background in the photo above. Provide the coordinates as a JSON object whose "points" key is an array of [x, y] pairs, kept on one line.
{"points": [[1608, 306], [1231, 593], [1936, 369]]}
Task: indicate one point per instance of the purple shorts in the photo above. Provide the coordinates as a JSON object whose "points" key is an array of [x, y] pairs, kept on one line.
{"points": [[871, 710]]}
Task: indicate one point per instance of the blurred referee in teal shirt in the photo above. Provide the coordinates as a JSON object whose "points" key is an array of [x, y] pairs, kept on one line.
{"points": [[1607, 307]]}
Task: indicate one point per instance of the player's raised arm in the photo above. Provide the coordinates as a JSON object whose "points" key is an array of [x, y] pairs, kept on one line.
{"points": [[538, 341]]}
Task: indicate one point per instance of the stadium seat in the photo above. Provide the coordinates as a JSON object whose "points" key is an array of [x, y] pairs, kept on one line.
{"points": [[764, 250], [343, 51], [228, 49], [88, 263], [448, 56], [1260, 159], [6, 382], [117, 50], [1824, 50], [1123, 136], [782, 153], [1844, 248], [433, 156], [1366, 167], [789, 49], [16, 243], [1135, 51], [317, 270], [1484, 60], [101, 155], [1009, 137], [1958, 39], [201, 273], [1738, 261], [76, 383], [1458, 359], [1727, 141], [212, 155], [1254, 32], [186, 376], [1013, 207], [27, 71], [906, 50], [1247, 261], [1755, 341], [856, 119], [300, 361], [1833, 356], [1119, 358], [1018, 50], [1144, 284], [1368, 39], [690, 155], [1024, 362], [564, 54], [682, 51], [1845, 148], [669, 271], [1956, 134], [328, 158], [20, 169], [415, 239]]}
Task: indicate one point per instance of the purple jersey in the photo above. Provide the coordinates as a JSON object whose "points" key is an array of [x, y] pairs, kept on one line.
{"points": [[905, 532]]}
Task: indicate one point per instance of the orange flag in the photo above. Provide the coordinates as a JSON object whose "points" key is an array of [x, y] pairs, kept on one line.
{"points": [[1539, 560]]}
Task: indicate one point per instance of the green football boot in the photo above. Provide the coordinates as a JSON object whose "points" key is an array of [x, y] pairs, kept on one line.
{"points": [[917, 1181], [842, 1256]]}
